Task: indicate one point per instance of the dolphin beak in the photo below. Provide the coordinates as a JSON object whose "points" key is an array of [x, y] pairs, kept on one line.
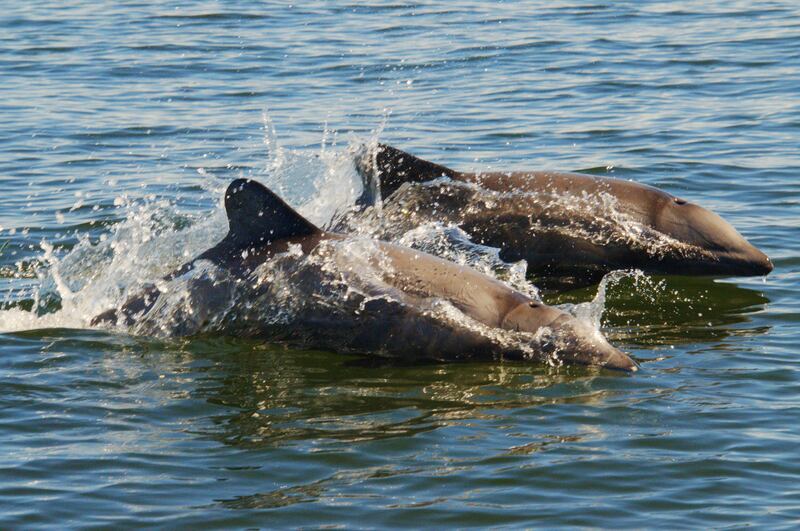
{"points": [[724, 250], [750, 261], [618, 360], [581, 344]]}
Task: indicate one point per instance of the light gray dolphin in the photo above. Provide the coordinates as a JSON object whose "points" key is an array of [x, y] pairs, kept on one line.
{"points": [[562, 224], [404, 311]]}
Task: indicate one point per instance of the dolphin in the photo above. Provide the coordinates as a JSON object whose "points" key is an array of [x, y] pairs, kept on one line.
{"points": [[562, 224], [404, 308]]}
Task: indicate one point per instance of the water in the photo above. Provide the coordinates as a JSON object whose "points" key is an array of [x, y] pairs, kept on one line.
{"points": [[122, 124]]}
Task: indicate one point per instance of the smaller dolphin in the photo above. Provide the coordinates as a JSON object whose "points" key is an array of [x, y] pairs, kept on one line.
{"points": [[562, 224], [401, 310]]}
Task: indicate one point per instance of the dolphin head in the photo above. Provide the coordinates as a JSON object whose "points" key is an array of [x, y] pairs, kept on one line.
{"points": [[579, 343], [562, 337], [718, 248]]}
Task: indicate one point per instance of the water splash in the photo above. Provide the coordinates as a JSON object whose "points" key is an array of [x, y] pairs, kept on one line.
{"points": [[453, 244], [592, 311], [156, 236]]}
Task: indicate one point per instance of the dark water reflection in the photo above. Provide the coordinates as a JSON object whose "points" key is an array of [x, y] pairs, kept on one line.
{"points": [[659, 311], [234, 425], [282, 395], [308, 401]]}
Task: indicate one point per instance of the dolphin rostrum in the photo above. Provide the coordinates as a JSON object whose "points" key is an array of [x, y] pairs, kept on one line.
{"points": [[562, 224], [387, 300]]}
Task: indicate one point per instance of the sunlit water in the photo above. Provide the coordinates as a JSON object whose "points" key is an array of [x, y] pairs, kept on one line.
{"points": [[122, 125]]}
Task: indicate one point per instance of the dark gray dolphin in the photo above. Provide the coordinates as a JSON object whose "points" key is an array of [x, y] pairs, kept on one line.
{"points": [[562, 224], [394, 316]]}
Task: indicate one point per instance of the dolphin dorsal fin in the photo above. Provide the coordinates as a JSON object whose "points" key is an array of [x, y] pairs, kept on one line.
{"points": [[393, 167], [256, 215]]}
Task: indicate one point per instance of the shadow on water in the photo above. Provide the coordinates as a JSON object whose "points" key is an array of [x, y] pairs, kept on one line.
{"points": [[346, 416], [321, 402], [264, 403], [259, 401], [667, 310], [280, 395]]}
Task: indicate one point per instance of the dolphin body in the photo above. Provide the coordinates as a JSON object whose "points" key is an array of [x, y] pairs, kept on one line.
{"points": [[402, 312], [567, 225]]}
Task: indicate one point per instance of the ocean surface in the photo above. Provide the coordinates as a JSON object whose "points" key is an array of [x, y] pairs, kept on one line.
{"points": [[121, 125]]}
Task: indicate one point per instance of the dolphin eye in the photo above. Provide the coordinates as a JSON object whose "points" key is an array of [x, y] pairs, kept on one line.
{"points": [[679, 201]]}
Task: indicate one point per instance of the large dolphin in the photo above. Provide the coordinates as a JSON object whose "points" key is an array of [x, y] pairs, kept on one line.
{"points": [[405, 310], [562, 224]]}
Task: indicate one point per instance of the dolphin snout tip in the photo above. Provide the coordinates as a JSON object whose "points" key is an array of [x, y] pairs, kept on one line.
{"points": [[618, 360], [586, 346], [754, 262], [767, 266]]}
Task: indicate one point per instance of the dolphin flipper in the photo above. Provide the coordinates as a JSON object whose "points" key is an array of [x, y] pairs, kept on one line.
{"points": [[133, 308], [392, 168]]}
